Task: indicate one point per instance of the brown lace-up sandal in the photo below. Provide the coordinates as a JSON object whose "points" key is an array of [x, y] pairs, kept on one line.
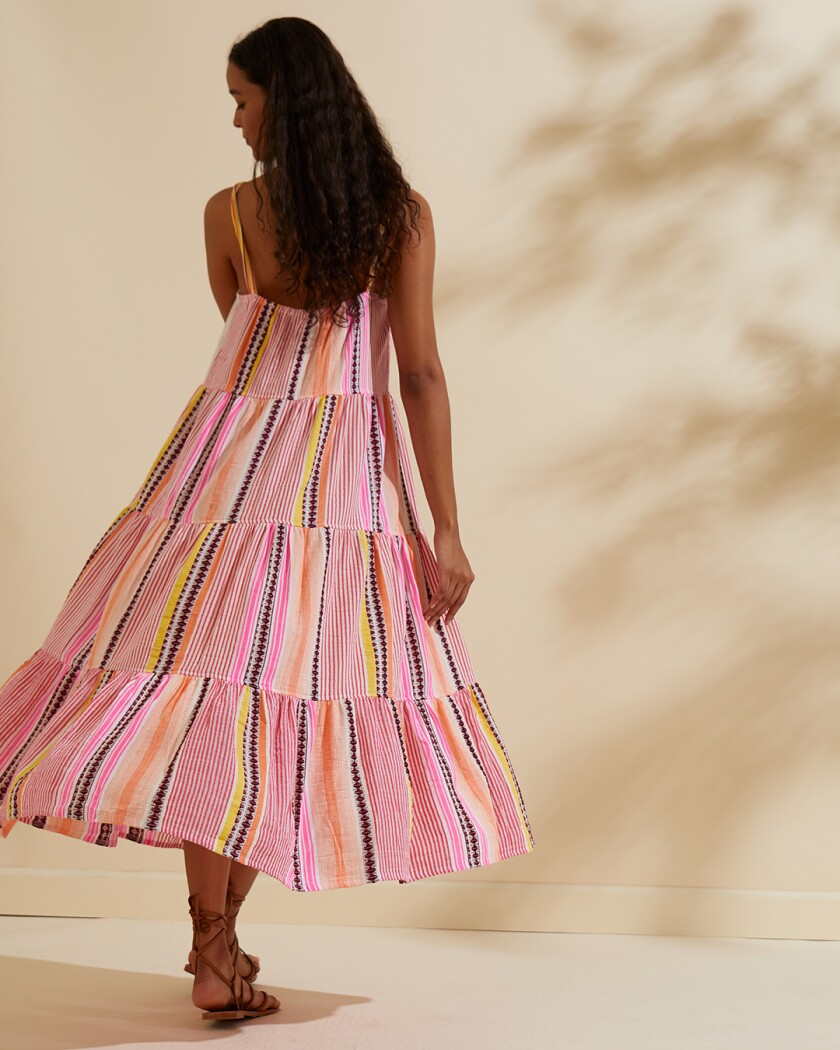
{"points": [[232, 906], [247, 1000]]}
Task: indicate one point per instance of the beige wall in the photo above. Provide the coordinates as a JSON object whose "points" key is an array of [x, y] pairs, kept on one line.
{"points": [[636, 298]]}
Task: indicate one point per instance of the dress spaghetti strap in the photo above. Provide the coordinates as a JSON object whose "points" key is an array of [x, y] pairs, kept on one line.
{"points": [[237, 225], [246, 262]]}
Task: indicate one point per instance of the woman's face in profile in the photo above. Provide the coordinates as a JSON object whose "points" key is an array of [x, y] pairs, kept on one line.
{"points": [[249, 100]]}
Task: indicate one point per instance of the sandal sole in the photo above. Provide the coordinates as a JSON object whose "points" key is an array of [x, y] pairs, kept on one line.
{"points": [[234, 1015]]}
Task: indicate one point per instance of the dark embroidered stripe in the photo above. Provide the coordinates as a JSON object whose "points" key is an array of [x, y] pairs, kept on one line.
{"points": [[186, 491], [355, 361], [171, 532], [104, 834], [468, 740], [251, 770], [374, 464], [398, 723], [414, 652], [13, 804], [482, 702], [468, 829], [158, 803], [362, 806], [451, 662], [309, 514], [300, 779], [170, 454], [300, 353], [268, 603], [186, 600], [406, 502], [256, 338], [256, 457], [76, 806], [53, 706]]}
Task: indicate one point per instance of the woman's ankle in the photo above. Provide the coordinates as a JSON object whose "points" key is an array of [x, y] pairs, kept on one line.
{"points": [[232, 913], [215, 952]]}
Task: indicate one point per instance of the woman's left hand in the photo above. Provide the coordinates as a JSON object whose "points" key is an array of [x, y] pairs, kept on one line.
{"points": [[455, 577]]}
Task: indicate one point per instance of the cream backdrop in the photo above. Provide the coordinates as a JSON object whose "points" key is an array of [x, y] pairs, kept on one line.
{"points": [[637, 209]]}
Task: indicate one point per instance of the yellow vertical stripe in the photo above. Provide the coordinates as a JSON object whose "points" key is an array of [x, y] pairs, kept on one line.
{"points": [[174, 595], [297, 513], [239, 787], [191, 404], [27, 769], [503, 762], [263, 345], [364, 620]]}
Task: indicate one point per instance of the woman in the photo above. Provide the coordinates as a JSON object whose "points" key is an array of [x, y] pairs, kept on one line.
{"points": [[259, 662]]}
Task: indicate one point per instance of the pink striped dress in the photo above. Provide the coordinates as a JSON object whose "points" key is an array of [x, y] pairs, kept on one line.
{"points": [[243, 661]]}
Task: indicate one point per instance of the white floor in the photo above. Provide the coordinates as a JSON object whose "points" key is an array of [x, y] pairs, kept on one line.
{"points": [[80, 983]]}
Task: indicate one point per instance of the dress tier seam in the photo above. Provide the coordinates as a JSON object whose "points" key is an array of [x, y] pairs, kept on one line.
{"points": [[305, 397], [277, 521], [279, 693]]}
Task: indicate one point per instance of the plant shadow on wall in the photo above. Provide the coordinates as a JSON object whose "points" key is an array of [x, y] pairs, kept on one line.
{"points": [[693, 166]]}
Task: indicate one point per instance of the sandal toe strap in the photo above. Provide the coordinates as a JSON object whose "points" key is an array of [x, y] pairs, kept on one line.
{"points": [[253, 999]]}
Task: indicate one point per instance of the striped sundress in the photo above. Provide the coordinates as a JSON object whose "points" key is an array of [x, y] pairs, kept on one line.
{"points": [[243, 662]]}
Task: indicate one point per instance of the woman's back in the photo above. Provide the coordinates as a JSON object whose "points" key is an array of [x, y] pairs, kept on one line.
{"points": [[260, 243]]}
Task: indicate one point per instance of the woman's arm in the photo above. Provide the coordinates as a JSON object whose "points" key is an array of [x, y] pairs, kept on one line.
{"points": [[218, 230], [426, 402]]}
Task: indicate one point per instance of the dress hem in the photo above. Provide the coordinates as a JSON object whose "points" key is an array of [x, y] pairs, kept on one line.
{"points": [[435, 864]]}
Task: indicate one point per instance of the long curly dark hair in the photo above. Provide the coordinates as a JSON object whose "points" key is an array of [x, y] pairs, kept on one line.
{"points": [[338, 193]]}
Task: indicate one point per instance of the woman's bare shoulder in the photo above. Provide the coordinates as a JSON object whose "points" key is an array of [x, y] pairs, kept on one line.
{"points": [[417, 196], [218, 204], [409, 237]]}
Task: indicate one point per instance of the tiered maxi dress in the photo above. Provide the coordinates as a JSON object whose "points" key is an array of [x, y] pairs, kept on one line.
{"points": [[243, 662]]}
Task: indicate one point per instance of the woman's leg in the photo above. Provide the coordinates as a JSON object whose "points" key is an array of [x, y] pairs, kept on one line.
{"points": [[207, 875], [240, 881]]}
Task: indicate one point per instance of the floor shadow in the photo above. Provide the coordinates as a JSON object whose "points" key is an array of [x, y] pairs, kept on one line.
{"points": [[58, 1006]]}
